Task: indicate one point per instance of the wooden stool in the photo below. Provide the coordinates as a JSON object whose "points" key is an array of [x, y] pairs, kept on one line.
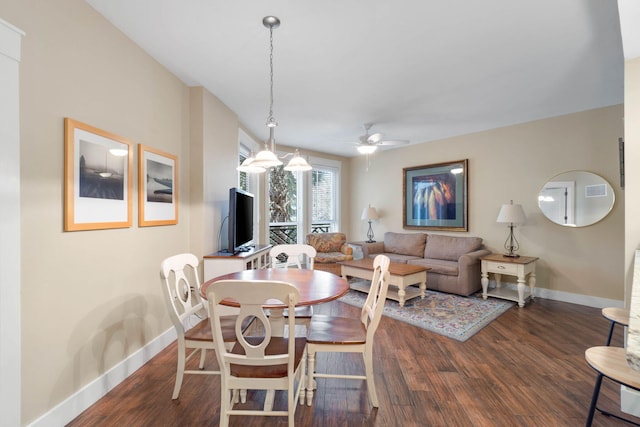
{"points": [[615, 315], [610, 362]]}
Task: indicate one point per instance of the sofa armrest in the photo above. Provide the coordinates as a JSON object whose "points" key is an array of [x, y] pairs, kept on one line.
{"points": [[346, 249], [469, 266], [372, 249], [472, 257]]}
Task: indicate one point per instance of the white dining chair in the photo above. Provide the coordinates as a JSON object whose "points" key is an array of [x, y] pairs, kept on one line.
{"points": [[350, 335], [181, 289], [300, 256], [265, 362]]}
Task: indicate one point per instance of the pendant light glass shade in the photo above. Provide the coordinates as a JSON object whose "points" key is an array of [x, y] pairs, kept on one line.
{"points": [[248, 166], [297, 164], [266, 159]]}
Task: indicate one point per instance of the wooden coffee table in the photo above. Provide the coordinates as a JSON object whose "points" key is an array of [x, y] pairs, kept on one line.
{"points": [[400, 276]]}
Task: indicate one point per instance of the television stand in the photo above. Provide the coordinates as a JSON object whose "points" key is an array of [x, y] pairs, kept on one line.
{"points": [[220, 263]]}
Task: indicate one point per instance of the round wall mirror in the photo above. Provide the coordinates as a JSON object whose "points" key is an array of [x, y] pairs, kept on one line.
{"points": [[576, 198]]}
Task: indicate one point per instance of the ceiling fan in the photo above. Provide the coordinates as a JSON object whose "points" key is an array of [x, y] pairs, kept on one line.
{"points": [[369, 142]]}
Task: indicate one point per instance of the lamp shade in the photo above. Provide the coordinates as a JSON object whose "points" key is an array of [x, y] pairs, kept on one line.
{"points": [[266, 159], [297, 163], [248, 166], [369, 213], [510, 213]]}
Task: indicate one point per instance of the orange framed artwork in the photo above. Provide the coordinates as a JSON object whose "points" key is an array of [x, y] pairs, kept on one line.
{"points": [[157, 187], [97, 178]]}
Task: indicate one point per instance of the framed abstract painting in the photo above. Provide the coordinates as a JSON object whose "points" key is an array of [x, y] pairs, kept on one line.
{"points": [[435, 196]]}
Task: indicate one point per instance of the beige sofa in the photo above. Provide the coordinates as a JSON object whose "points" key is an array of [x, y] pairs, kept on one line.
{"points": [[454, 260]]}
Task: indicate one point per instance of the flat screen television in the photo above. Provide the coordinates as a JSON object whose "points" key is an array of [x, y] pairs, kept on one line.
{"points": [[240, 220]]}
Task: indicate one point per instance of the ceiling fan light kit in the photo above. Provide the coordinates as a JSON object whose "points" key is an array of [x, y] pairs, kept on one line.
{"points": [[369, 143], [367, 149], [267, 158]]}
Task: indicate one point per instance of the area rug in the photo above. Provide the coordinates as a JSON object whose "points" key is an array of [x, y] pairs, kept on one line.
{"points": [[446, 314]]}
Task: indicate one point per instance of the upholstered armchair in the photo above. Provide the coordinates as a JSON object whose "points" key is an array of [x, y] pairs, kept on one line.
{"points": [[330, 248]]}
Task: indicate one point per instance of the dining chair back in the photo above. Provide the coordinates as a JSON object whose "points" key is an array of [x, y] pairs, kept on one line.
{"points": [[264, 362], [350, 335], [301, 256], [189, 315]]}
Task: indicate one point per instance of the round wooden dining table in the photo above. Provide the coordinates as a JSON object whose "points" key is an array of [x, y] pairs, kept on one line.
{"points": [[314, 286]]}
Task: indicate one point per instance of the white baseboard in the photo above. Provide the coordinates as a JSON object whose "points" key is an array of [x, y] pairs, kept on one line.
{"points": [[587, 300], [66, 411], [73, 406]]}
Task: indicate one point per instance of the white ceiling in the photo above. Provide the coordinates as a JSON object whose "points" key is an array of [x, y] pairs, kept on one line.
{"points": [[420, 70]]}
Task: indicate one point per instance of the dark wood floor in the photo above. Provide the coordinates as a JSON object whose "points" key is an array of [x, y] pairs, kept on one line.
{"points": [[526, 368]]}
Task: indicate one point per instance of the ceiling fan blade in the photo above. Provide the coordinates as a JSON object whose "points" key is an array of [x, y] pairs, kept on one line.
{"points": [[375, 138], [393, 142]]}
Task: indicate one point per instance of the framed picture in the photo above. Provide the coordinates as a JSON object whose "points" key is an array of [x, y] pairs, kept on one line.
{"points": [[97, 178], [157, 187], [435, 196]]}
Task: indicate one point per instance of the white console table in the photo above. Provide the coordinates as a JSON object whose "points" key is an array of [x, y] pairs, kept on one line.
{"points": [[219, 263]]}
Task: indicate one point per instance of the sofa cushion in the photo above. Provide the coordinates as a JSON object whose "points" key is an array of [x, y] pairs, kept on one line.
{"points": [[437, 266], [450, 247], [397, 258], [405, 243]]}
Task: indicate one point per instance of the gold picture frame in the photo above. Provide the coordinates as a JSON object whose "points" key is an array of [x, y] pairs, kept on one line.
{"points": [[157, 187], [434, 197], [97, 178]]}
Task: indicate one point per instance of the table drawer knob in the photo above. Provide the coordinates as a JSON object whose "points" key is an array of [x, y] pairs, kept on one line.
{"points": [[501, 267]]}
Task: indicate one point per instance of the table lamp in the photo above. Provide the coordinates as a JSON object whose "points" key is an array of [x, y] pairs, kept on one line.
{"points": [[511, 214], [370, 214]]}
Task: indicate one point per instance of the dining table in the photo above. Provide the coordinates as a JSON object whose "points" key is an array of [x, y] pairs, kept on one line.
{"points": [[314, 286]]}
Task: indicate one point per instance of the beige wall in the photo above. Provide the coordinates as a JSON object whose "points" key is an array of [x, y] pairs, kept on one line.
{"points": [[89, 298], [514, 163], [632, 172]]}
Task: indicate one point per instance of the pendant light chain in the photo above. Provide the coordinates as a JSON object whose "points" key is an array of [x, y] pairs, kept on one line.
{"points": [[271, 121], [267, 157]]}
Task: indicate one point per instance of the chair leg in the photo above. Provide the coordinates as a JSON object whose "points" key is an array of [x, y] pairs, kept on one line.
{"points": [[594, 400], [179, 370], [303, 380], [613, 324], [371, 386], [311, 365], [226, 403], [203, 354]]}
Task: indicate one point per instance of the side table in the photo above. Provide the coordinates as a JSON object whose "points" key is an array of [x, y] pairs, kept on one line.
{"points": [[522, 267]]}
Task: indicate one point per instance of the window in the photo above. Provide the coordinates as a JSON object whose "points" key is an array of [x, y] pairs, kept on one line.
{"points": [[283, 206], [300, 203], [324, 199], [243, 177]]}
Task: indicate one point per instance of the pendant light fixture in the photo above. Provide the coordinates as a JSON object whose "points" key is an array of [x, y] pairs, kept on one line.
{"points": [[267, 157]]}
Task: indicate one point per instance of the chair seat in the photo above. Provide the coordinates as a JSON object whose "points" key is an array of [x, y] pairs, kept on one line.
{"points": [[336, 330], [277, 345], [202, 330], [304, 312]]}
